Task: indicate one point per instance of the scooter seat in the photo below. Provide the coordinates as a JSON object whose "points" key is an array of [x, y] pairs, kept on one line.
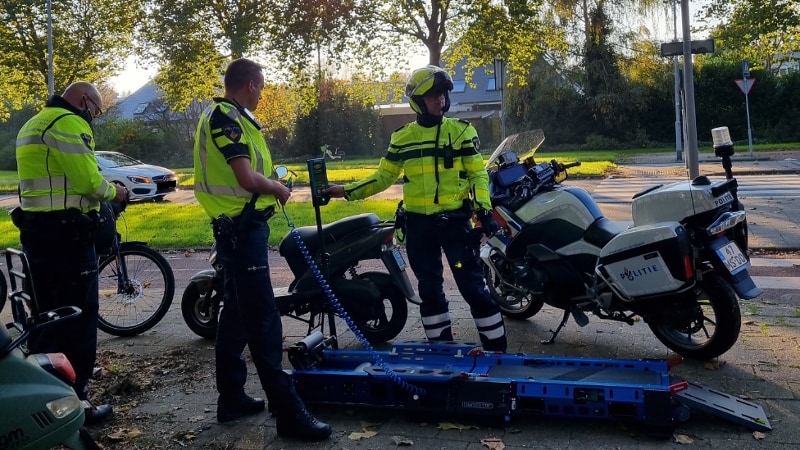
{"points": [[332, 232], [603, 230]]}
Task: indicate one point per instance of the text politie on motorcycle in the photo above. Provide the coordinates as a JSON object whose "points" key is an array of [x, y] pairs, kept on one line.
{"points": [[60, 190], [233, 183], [444, 178]]}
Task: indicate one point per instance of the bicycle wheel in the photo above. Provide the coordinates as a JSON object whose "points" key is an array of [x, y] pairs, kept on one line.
{"points": [[135, 306]]}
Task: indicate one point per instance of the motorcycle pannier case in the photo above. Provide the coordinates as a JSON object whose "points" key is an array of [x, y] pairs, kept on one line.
{"points": [[647, 260]]}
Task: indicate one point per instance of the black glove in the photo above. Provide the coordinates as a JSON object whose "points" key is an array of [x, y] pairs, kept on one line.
{"points": [[490, 227]]}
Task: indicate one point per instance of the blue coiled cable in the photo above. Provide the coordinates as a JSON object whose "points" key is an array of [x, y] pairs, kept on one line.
{"points": [[376, 358]]}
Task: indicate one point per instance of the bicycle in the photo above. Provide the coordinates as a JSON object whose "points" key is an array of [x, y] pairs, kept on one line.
{"points": [[136, 283]]}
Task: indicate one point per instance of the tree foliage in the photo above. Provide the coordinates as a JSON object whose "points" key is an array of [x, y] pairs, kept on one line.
{"points": [[91, 39], [765, 32]]}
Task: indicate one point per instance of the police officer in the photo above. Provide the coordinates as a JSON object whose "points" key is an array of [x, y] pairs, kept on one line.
{"points": [[232, 167], [60, 190], [444, 179]]}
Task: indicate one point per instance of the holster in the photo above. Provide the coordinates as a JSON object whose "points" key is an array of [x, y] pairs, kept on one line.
{"points": [[443, 219], [68, 224]]}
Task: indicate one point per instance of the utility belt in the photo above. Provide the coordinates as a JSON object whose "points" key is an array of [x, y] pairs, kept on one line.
{"points": [[70, 224], [226, 226], [445, 218]]}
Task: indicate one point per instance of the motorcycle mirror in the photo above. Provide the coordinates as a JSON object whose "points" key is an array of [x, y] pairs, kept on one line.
{"points": [[281, 172]]}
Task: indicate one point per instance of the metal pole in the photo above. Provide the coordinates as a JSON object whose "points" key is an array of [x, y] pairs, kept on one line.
{"points": [[50, 78], [677, 90], [499, 82], [747, 109], [688, 87]]}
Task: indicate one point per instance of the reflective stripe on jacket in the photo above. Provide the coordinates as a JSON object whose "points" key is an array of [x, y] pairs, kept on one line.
{"points": [[438, 173], [216, 187], [56, 164]]}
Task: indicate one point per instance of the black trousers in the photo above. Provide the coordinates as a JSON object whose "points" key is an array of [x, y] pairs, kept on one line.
{"points": [[63, 267], [427, 236]]}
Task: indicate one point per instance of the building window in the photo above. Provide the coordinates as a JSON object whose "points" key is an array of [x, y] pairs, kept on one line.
{"points": [[140, 109], [459, 85], [491, 85]]}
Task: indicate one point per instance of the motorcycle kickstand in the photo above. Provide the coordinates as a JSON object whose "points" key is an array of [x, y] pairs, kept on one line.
{"points": [[558, 329]]}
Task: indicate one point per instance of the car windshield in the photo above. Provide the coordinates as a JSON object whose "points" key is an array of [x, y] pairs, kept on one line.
{"points": [[117, 160]]}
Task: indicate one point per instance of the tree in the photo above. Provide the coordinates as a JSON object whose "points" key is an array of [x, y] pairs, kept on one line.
{"points": [[763, 31], [191, 42], [91, 39], [482, 29]]}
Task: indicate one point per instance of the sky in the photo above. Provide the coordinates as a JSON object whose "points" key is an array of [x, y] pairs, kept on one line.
{"points": [[131, 78]]}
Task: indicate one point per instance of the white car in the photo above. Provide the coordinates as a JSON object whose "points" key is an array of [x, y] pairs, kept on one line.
{"points": [[143, 181]]}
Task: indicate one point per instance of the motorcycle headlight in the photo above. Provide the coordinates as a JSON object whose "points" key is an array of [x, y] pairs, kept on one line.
{"points": [[64, 406], [726, 221]]}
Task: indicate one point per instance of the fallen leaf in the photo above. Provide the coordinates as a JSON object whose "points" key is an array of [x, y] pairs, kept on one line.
{"points": [[359, 435], [759, 435], [124, 434], [186, 435], [749, 322], [714, 364], [367, 425], [682, 439], [197, 419], [401, 440], [456, 426], [493, 443]]}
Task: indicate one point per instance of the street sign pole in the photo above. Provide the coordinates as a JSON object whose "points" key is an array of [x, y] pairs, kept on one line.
{"points": [[677, 90], [688, 88], [746, 89]]}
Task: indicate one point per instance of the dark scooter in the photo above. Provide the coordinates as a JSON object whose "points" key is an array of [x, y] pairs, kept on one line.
{"points": [[374, 300]]}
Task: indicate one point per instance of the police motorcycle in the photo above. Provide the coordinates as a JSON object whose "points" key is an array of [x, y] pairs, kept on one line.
{"points": [[374, 300], [680, 266], [38, 406]]}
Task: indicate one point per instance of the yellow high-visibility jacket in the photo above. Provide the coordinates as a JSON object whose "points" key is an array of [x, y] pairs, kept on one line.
{"points": [[225, 132], [56, 164], [441, 166]]}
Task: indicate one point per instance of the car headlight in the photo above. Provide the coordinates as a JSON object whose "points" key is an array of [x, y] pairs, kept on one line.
{"points": [[140, 179]]}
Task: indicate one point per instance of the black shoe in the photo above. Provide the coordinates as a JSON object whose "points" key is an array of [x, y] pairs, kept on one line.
{"points": [[96, 413], [302, 426], [247, 407]]}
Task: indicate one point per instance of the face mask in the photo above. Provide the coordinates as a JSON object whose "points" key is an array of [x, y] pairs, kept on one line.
{"points": [[87, 115]]}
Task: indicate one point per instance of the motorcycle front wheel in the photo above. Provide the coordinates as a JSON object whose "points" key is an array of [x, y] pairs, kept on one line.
{"points": [[515, 303], [704, 327], [201, 312]]}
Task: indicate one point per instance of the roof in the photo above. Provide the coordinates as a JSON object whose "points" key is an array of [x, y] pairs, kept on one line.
{"points": [[134, 105], [483, 92]]}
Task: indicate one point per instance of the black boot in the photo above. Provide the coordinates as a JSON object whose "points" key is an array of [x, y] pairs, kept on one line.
{"points": [[303, 426], [95, 413], [498, 345], [228, 411]]}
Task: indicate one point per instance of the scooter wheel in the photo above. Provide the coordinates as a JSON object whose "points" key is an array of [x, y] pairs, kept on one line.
{"points": [[201, 312]]}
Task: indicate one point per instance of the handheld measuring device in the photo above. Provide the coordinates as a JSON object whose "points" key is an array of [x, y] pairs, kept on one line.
{"points": [[318, 179]]}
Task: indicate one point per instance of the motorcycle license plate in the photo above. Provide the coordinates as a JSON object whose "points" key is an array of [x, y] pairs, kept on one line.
{"points": [[398, 257], [733, 258]]}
